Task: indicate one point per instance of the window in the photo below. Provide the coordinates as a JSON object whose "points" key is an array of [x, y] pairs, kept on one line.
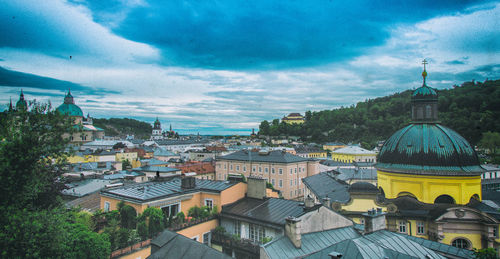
{"points": [[237, 227], [291, 182], [257, 233], [106, 206], [244, 168], [280, 171], [295, 170], [272, 182], [195, 238], [225, 166], [260, 169], [460, 243], [281, 183], [291, 193], [295, 182], [266, 170], [291, 171], [206, 238], [272, 170], [253, 169], [420, 228], [230, 167], [237, 168], [209, 203], [495, 232], [402, 227], [171, 210]]}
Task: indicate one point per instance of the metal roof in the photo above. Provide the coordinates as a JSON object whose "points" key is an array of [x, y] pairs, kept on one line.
{"points": [[429, 149], [310, 243], [143, 192], [161, 169], [440, 247], [324, 184], [85, 187], [354, 150], [346, 174], [272, 210], [379, 244], [270, 157], [172, 245]]}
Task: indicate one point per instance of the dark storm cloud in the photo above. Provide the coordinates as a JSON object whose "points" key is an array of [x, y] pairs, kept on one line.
{"points": [[10, 78], [266, 34]]}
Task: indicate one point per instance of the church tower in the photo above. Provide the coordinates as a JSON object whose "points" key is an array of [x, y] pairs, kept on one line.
{"points": [[156, 134]]}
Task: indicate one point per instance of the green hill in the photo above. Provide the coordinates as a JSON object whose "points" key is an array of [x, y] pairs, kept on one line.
{"points": [[122, 127], [470, 109]]}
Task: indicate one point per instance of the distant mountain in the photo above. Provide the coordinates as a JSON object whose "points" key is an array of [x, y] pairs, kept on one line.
{"points": [[125, 126], [469, 109]]}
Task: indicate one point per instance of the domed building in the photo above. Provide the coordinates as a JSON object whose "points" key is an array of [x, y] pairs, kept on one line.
{"points": [[70, 108], [21, 104], [87, 131], [427, 160]]}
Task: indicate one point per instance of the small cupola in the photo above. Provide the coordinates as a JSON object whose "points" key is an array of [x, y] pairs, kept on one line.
{"points": [[424, 102], [68, 99]]}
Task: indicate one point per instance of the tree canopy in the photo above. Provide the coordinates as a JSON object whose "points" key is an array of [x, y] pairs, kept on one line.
{"points": [[470, 109], [33, 222]]}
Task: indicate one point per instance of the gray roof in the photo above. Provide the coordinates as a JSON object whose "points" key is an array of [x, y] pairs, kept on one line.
{"points": [[324, 184], [85, 187], [168, 142], [271, 211], [172, 245], [353, 173], [78, 167], [271, 157], [440, 247], [311, 242], [379, 244], [161, 169], [334, 163], [308, 149], [163, 152], [143, 192], [153, 161]]}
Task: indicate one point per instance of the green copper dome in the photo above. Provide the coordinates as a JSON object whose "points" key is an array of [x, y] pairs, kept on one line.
{"points": [[69, 107], [430, 149], [424, 93]]}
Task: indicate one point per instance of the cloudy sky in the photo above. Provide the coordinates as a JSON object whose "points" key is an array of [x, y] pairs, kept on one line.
{"points": [[221, 67]]}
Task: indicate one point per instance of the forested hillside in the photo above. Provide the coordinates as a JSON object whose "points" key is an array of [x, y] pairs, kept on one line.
{"points": [[122, 127], [469, 109]]}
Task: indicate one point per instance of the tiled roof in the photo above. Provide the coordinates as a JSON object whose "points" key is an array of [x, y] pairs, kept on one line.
{"points": [[148, 191], [271, 157], [324, 184], [272, 210]]}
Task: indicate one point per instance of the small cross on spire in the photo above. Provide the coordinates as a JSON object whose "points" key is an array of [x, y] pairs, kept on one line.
{"points": [[424, 73]]}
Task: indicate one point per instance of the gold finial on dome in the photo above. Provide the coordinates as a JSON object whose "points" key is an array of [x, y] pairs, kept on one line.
{"points": [[424, 73]]}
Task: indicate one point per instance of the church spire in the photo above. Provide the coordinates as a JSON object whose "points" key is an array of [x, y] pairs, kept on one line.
{"points": [[10, 105], [424, 73]]}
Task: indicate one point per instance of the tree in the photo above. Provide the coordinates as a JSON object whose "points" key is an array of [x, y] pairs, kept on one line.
{"points": [[119, 145], [33, 224], [264, 128], [154, 218], [32, 156], [126, 164], [128, 216], [490, 141]]}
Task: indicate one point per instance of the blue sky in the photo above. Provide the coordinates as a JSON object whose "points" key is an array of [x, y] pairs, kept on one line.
{"points": [[221, 67]]}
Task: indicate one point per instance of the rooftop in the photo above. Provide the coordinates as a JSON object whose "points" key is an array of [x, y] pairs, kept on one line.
{"points": [[143, 192], [325, 185], [354, 150], [270, 156], [272, 210]]}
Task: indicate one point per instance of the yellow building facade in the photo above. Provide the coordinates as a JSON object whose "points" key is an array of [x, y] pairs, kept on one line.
{"points": [[427, 188]]}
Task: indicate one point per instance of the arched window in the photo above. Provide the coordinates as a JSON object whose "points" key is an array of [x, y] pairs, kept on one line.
{"points": [[461, 243], [428, 111], [401, 194], [445, 199]]}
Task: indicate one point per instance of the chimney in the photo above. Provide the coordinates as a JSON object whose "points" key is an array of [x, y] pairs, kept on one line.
{"points": [[326, 202], [374, 220], [188, 182], [292, 231], [308, 202], [256, 187]]}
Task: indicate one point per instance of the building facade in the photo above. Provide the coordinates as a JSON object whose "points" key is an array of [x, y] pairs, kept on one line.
{"points": [[283, 170]]}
